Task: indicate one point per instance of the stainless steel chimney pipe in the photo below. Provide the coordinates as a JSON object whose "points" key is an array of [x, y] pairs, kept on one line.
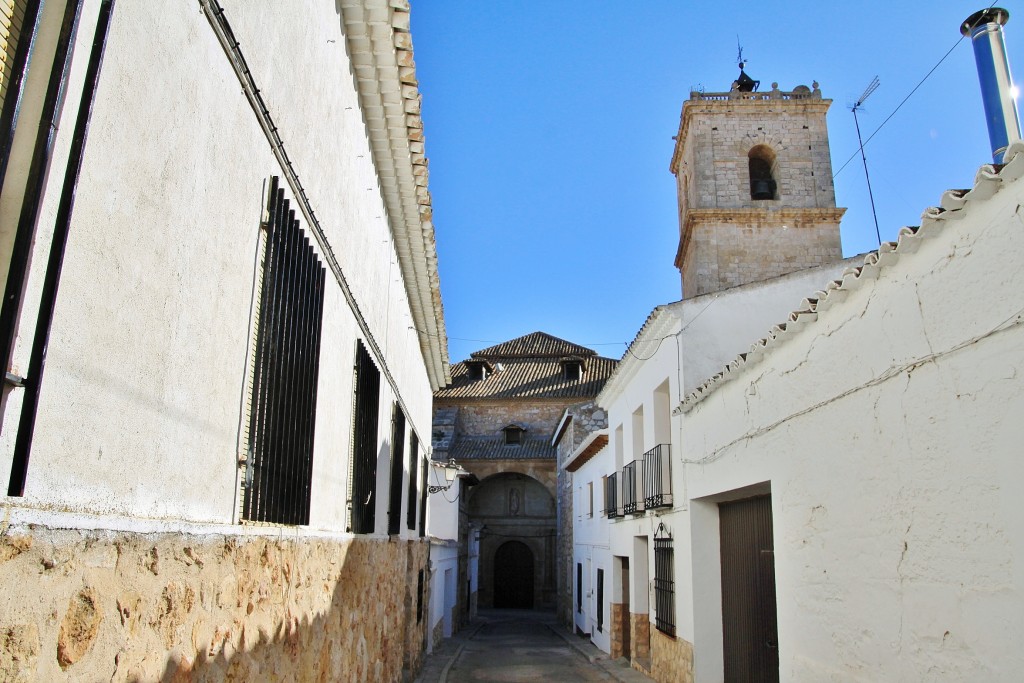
{"points": [[985, 29]]}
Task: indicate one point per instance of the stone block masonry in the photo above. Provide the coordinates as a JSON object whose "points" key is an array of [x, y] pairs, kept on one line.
{"points": [[671, 659], [96, 605]]}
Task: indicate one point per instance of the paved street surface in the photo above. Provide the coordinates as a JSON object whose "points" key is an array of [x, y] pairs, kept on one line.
{"points": [[521, 645]]}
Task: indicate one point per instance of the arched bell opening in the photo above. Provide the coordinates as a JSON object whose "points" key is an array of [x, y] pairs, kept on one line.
{"points": [[761, 164]]}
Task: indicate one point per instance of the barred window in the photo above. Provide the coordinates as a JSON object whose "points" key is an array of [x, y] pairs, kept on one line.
{"points": [[397, 462], [285, 368], [664, 583], [413, 497], [363, 473]]}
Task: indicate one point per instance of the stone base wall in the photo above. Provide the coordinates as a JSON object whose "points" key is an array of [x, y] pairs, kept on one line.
{"points": [[641, 642], [85, 605], [619, 627], [671, 659]]}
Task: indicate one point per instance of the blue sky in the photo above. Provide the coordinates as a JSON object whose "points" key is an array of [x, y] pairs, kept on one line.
{"points": [[549, 131]]}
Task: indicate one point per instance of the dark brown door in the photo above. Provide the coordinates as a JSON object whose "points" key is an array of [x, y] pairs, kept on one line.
{"points": [[513, 576], [749, 621]]}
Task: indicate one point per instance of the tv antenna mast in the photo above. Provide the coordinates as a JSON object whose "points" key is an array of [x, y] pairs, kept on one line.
{"points": [[872, 87]]}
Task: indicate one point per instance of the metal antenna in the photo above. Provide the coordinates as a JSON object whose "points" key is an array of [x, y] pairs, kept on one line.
{"points": [[872, 87]]}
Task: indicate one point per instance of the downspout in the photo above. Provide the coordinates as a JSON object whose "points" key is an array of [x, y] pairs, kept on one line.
{"points": [[62, 226], [985, 29]]}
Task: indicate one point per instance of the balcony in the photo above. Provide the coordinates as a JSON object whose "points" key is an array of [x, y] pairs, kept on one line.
{"points": [[611, 496], [632, 494], [658, 477]]}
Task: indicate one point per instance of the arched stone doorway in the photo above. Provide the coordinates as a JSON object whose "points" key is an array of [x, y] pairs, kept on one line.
{"points": [[514, 510], [513, 576]]}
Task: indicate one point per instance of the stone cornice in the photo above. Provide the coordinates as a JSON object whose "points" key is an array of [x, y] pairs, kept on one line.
{"points": [[743, 104], [380, 49], [790, 217]]}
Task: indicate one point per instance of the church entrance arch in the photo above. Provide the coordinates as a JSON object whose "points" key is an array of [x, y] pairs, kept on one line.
{"points": [[513, 575]]}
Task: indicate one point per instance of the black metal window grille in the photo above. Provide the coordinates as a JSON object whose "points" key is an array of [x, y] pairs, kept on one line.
{"points": [[611, 495], [600, 599], [423, 499], [282, 417], [419, 597], [664, 583], [631, 499], [363, 479], [397, 462], [658, 477], [579, 587], [413, 498]]}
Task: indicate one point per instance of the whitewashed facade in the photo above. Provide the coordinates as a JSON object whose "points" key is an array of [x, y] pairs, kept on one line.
{"points": [[170, 124], [876, 423]]}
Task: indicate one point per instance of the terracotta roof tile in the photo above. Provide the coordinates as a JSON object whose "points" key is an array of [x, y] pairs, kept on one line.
{"points": [[534, 345], [494, 448], [529, 378]]}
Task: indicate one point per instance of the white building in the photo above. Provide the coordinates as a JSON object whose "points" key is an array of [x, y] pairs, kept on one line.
{"points": [[221, 326], [644, 490], [591, 557], [837, 500]]}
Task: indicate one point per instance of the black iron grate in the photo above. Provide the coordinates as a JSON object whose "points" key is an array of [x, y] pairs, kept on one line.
{"points": [[363, 480], [664, 584], [279, 466]]}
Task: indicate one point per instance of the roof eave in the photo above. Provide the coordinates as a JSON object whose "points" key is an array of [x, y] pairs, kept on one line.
{"points": [[380, 48]]}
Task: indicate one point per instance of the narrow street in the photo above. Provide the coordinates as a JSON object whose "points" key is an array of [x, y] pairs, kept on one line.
{"points": [[521, 645]]}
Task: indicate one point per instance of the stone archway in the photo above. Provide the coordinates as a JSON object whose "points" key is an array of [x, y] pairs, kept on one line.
{"points": [[513, 576], [514, 511]]}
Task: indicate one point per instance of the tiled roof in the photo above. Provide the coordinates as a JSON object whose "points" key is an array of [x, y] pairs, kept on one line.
{"points": [[494, 448], [380, 48], [528, 378], [954, 205], [534, 345]]}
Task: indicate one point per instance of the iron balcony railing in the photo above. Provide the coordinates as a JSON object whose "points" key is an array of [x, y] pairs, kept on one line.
{"points": [[658, 477], [611, 495], [632, 492]]}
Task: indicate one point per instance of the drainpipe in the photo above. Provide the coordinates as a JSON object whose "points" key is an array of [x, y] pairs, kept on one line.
{"points": [[985, 29]]}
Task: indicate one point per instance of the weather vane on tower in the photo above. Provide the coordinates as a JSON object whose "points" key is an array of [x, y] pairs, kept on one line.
{"points": [[744, 83]]}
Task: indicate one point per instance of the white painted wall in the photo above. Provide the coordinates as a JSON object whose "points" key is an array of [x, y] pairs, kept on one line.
{"points": [[889, 433], [591, 546], [142, 397], [683, 344]]}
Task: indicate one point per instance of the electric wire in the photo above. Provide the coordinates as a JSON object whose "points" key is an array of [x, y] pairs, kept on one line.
{"points": [[900, 105]]}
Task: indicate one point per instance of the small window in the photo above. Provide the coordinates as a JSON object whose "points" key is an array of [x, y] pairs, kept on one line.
{"points": [[513, 435], [478, 370], [590, 499], [761, 163], [573, 370]]}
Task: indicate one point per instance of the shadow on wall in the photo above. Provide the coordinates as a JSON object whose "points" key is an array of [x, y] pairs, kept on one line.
{"points": [[130, 607]]}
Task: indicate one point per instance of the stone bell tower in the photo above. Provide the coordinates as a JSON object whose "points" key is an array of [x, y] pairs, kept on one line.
{"points": [[754, 181]]}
